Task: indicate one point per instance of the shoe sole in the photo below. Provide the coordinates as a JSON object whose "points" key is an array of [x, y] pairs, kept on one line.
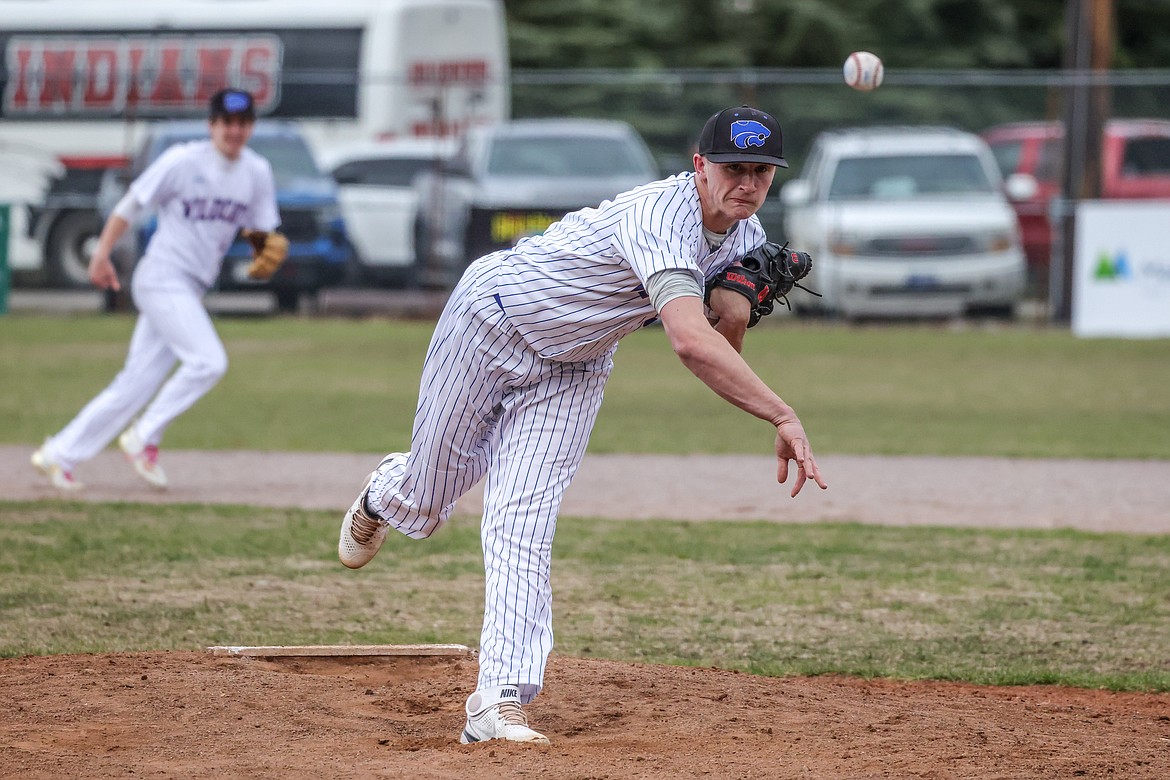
{"points": [[148, 480], [40, 464], [132, 459], [347, 527], [468, 739], [362, 497]]}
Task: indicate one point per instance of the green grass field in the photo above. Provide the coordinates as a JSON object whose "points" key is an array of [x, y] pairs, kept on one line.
{"points": [[996, 607], [986, 606], [352, 385]]}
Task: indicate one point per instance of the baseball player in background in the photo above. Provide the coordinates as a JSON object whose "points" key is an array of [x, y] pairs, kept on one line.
{"points": [[204, 192], [514, 374]]}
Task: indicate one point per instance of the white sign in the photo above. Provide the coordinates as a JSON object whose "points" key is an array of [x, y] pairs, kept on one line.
{"points": [[1122, 269]]}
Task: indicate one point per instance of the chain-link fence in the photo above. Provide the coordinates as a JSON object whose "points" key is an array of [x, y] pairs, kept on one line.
{"points": [[669, 108]]}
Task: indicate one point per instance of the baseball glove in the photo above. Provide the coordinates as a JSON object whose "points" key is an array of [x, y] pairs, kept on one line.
{"points": [[269, 250], [764, 275]]}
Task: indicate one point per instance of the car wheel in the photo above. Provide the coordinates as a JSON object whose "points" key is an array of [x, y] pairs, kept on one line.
{"points": [[73, 238], [1005, 311], [287, 301]]}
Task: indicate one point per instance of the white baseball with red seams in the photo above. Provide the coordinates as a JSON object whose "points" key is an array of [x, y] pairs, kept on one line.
{"points": [[863, 71]]}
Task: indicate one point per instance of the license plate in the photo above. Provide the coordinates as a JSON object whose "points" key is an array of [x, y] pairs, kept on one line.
{"points": [[508, 226], [922, 282]]}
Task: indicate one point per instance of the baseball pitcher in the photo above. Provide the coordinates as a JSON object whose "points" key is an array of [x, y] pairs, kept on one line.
{"points": [[513, 380]]}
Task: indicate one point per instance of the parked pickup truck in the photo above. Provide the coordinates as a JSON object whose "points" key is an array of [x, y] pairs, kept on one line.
{"points": [[310, 215], [904, 222], [1135, 164]]}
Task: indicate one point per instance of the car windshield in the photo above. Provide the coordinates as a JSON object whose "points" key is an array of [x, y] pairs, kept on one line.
{"points": [[554, 156], [1007, 156], [908, 176], [383, 172], [289, 156], [1147, 157]]}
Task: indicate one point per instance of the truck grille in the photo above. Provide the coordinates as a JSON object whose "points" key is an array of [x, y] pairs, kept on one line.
{"points": [[921, 246], [299, 224]]}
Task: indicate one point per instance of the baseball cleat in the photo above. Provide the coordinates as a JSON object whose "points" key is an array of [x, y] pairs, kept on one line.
{"points": [[362, 531], [60, 477], [143, 457], [502, 720]]}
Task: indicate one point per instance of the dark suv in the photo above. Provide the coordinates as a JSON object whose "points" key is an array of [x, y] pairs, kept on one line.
{"points": [[516, 178], [310, 214]]}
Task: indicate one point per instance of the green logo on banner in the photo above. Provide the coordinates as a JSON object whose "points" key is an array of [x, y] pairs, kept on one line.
{"points": [[1111, 268]]}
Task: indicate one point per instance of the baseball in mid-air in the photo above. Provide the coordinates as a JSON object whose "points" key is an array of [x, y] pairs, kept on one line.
{"points": [[863, 70]]}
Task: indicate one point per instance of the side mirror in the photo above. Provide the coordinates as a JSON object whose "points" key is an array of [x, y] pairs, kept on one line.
{"points": [[795, 193], [457, 166], [347, 176], [1021, 186], [122, 177]]}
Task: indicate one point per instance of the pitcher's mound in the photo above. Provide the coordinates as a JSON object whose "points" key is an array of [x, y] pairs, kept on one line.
{"points": [[200, 715]]}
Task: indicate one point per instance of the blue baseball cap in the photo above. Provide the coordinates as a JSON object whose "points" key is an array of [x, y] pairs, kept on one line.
{"points": [[233, 102], [743, 134]]}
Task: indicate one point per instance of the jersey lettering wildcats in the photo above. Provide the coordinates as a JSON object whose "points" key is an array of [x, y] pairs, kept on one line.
{"points": [[575, 290], [203, 199]]}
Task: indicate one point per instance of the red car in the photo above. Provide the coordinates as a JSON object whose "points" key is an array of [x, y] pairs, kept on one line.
{"points": [[1135, 164]]}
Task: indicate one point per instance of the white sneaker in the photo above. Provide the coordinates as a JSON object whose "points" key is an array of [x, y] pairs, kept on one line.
{"points": [[60, 477], [143, 457], [502, 718], [362, 532]]}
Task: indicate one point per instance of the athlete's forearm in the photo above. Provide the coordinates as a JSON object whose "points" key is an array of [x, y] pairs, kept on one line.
{"points": [[733, 312], [113, 230], [711, 358]]}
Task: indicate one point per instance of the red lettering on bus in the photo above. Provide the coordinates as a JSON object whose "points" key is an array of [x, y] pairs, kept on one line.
{"points": [[136, 51], [137, 74], [259, 70], [57, 87], [447, 72], [16, 96], [101, 75], [168, 88], [214, 61]]}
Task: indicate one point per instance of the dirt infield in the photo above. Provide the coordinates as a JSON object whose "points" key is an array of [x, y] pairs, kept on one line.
{"points": [[195, 715], [192, 715]]}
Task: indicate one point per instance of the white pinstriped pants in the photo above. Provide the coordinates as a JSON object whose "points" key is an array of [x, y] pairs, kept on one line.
{"points": [[172, 327], [490, 406]]}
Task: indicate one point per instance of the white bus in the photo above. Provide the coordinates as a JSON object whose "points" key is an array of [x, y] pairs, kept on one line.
{"points": [[78, 81]]}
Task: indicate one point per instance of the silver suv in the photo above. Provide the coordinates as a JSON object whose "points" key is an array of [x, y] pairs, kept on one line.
{"points": [[514, 179], [904, 222]]}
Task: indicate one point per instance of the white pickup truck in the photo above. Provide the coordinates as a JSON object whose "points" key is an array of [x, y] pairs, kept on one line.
{"points": [[904, 222]]}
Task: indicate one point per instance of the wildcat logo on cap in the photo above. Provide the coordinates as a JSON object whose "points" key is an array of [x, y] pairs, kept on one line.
{"points": [[235, 102], [742, 134], [748, 132]]}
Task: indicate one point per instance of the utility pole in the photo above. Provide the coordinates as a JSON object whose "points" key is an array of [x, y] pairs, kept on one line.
{"points": [[1089, 43]]}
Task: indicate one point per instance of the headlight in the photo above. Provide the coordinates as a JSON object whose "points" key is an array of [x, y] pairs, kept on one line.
{"points": [[999, 241], [329, 218], [844, 244]]}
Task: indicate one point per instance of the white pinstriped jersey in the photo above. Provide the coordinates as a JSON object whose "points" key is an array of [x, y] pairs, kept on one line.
{"points": [[575, 290], [203, 199]]}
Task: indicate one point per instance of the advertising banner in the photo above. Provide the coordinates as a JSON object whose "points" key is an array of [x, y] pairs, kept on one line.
{"points": [[135, 74], [1122, 269]]}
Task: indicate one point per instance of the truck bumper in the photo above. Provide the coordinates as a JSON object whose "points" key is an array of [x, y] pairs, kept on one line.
{"points": [[309, 267]]}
